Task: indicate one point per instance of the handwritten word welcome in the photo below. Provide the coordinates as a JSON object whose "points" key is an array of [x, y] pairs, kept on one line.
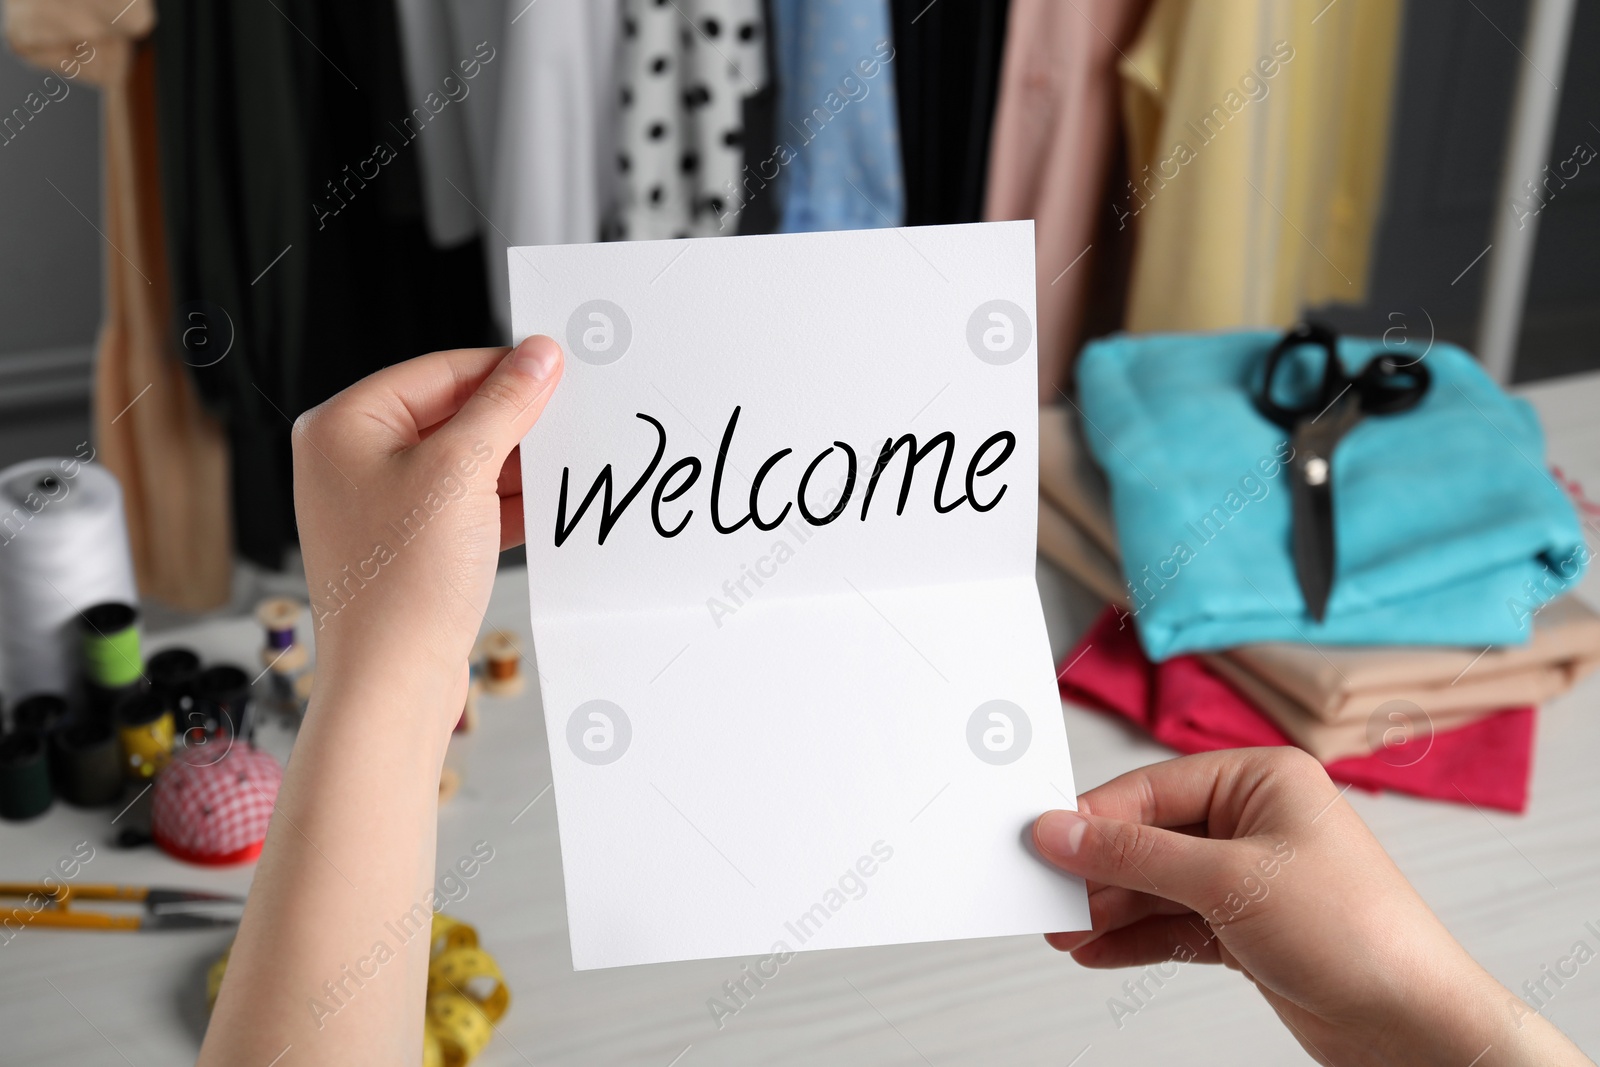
{"points": [[681, 476]]}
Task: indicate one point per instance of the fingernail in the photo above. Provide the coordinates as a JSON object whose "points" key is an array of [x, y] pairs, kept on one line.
{"points": [[1072, 940], [1061, 832], [538, 356]]}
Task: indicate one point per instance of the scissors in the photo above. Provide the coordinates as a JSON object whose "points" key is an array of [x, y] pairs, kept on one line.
{"points": [[164, 909], [1387, 385]]}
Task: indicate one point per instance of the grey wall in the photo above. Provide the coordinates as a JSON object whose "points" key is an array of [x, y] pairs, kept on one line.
{"points": [[1563, 319], [50, 262], [1454, 84]]}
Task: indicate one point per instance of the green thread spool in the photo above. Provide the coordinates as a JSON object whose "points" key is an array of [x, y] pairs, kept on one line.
{"points": [[24, 776], [111, 644], [86, 763], [39, 714]]}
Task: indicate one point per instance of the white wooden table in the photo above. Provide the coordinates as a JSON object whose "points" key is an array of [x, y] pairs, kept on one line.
{"points": [[1516, 890]]}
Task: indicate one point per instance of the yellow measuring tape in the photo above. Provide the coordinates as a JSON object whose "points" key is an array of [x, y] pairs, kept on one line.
{"points": [[467, 994]]}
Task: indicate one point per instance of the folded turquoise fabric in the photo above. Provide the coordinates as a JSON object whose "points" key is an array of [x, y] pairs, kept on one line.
{"points": [[838, 129], [1449, 529]]}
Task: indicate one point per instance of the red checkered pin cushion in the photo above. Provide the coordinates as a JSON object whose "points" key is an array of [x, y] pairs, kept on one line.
{"points": [[215, 810]]}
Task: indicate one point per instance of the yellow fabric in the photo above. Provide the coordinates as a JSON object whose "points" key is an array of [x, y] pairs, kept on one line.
{"points": [[1254, 195], [467, 994]]}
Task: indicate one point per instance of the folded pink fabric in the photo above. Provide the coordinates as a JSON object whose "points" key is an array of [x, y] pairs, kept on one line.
{"points": [[1182, 704]]}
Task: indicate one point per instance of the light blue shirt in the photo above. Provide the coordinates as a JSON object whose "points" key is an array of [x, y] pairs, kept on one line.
{"points": [[837, 128]]}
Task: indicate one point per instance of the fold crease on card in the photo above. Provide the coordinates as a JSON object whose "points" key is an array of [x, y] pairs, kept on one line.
{"points": [[781, 519]]}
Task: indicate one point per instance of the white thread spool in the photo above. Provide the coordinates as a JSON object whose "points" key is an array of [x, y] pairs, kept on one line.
{"points": [[63, 548]]}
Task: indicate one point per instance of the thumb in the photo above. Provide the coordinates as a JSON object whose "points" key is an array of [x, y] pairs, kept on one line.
{"points": [[510, 400], [1194, 871]]}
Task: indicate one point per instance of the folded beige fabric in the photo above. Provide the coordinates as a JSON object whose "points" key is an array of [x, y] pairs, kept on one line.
{"points": [[1063, 542], [1322, 697], [1069, 479], [1351, 683], [1372, 713]]}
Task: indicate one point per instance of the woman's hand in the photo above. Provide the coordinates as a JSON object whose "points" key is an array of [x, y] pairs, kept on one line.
{"points": [[1251, 858], [407, 486]]}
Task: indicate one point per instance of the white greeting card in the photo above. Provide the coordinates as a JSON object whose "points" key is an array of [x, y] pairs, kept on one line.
{"points": [[781, 515]]}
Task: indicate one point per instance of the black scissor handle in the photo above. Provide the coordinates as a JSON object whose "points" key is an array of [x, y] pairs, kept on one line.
{"points": [[1389, 386], [1333, 380]]}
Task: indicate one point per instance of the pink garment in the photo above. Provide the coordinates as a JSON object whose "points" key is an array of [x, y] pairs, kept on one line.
{"points": [[1055, 134], [1180, 703]]}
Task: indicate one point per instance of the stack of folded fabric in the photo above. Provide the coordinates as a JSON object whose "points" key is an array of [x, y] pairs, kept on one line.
{"points": [[1447, 619]]}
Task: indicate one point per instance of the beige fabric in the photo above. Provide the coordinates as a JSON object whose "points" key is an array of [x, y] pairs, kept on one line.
{"points": [[1359, 735], [1351, 683], [1323, 697], [78, 38], [170, 456], [1069, 479], [150, 431], [1063, 542]]}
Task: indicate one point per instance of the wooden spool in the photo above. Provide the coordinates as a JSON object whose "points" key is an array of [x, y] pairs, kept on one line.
{"points": [[502, 665], [279, 614]]}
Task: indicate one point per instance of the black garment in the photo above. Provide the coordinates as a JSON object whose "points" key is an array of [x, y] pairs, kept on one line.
{"points": [[947, 74], [295, 225], [760, 213]]}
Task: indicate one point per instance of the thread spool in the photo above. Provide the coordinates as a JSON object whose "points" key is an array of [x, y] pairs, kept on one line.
{"points": [[40, 714], [282, 653], [147, 729], [502, 665], [229, 689], [86, 763], [173, 674], [110, 635], [101, 703], [24, 776], [111, 661], [63, 549], [202, 722]]}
